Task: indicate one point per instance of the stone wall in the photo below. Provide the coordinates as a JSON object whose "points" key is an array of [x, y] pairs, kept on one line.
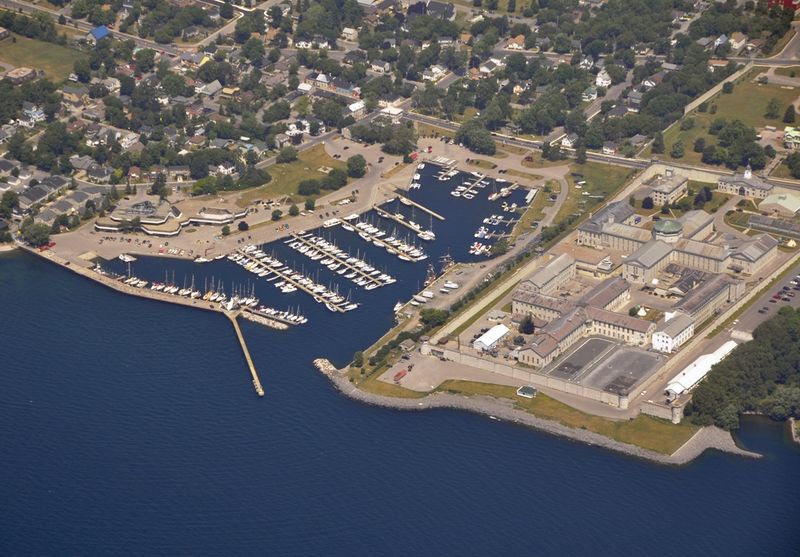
{"points": [[529, 376]]}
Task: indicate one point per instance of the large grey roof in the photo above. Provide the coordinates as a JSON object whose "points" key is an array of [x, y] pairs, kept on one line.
{"points": [[650, 254], [618, 211]]}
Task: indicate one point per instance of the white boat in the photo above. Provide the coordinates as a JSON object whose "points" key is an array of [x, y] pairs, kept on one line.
{"points": [[398, 306], [126, 258]]}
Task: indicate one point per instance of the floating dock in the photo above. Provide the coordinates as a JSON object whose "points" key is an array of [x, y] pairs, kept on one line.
{"points": [[286, 275], [409, 202], [398, 219], [378, 242], [352, 268], [256, 380]]}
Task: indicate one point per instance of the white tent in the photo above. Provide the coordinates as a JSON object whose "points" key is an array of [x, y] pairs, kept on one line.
{"points": [[488, 339], [698, 369]]}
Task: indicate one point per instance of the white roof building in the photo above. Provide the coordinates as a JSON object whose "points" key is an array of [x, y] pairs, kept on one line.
{"points": [[698, 369], [491, 337]]}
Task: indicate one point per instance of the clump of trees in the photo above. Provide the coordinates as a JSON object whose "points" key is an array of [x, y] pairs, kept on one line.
{"points": [[759, 376]]}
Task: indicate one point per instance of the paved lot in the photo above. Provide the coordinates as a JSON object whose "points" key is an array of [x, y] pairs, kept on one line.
{"points": [[571, 366]]}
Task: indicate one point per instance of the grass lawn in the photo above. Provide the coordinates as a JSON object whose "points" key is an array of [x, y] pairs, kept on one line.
{"points": [[747, 103], [533, 213], [538, 162], [788, 71], [286, 177], [485, 301], [526, 175], [57, 61], [643, 431], [482, 163], [781, 171], [426, 130], [602, 181]]}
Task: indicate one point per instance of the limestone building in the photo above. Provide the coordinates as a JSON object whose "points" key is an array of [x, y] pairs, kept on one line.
{"points": [[745, 185]]}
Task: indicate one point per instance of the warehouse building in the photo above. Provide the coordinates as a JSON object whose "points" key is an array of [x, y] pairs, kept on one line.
{"points": [[549, 278], [490, 338], [751, 256], [707, 298], [644, 264]]}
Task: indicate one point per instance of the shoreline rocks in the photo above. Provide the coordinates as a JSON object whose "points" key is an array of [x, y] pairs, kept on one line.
{"points": [[706, 438]]}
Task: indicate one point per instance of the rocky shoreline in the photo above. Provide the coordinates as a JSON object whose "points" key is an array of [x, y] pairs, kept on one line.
{"points": [[706, 438]]}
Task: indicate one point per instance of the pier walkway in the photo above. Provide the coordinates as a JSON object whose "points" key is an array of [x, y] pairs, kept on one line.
{"points": [[376, 241], [343, 262], [398, 219], [286, 274], [256, 380], [409, 202]]}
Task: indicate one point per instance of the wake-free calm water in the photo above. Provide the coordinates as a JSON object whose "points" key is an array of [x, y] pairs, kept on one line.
{"points": [[130, 427]]}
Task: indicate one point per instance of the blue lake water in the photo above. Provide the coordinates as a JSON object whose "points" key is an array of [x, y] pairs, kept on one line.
{"points": [[130, 427]]}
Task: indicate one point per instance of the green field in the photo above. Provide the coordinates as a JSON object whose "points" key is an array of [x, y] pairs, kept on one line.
{"points": [[788, 71], [747, 103], [601, 180], [286, 177], [643, 431], [57, 61]]}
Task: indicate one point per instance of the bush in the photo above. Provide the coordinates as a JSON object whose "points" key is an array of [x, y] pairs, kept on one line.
{"points": [[356, 166], [308, 187], [727, 88], [226, 230], [286, 154]]}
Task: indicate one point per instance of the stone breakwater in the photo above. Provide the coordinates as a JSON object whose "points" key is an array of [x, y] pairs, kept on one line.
{"points": [[503, 409]]}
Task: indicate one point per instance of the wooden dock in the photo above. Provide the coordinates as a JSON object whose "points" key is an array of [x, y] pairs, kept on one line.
{"points": [[352, 268], [287, 276], [407, 201], [399, 220], [256, 380]]}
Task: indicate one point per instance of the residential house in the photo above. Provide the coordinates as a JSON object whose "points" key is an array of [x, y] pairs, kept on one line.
{"points": [[569, 141], [97, 34], [589, 94], [350, 34], [75, 94], [610, 148], [516, 43], [738, 40], [603, 79]]}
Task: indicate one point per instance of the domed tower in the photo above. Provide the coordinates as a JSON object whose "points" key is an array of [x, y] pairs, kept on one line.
{"points": [[668, 230]]}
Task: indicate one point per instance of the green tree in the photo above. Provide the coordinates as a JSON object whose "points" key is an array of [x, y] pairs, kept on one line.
{"points": [[35, 234], [658, 143], [294, 210], [526, 326], [358, 359], [356, 166], [580, 155], [647, 203], [309, 204], [286, 154], [243, 226], [277, 214], [727, 88], [773, 109], [677, 150], [226, 230], [789, 115]]}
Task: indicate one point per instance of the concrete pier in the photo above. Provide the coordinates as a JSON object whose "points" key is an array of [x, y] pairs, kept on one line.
{"points": [[256, 380], [407, 201]]}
